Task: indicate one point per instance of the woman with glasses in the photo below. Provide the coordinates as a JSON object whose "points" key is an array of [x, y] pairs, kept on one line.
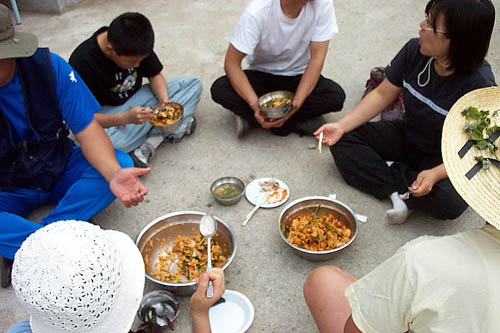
{"points": [[401, 159]]}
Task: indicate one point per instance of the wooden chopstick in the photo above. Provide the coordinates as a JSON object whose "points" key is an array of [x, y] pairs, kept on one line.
{"points": [[320, 142], [260, 203]]}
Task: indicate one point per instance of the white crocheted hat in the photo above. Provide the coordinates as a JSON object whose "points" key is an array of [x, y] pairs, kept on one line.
{"points": [[74, 276]]}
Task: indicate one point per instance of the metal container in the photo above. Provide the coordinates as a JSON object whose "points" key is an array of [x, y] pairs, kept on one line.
{"points": [[163, 302], [184, 223], [228, 180], [275, 112], [166, 129], [328, 206]]}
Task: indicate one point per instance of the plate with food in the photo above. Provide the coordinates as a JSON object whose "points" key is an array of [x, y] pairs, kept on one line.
{"points": [[275, 191]]}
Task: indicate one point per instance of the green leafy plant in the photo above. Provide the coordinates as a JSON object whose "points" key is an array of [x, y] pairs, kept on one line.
{"points": [[479, 128]]}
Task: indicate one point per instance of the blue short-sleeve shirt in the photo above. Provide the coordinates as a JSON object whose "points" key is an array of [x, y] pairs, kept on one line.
{"points": [[76, 103]]}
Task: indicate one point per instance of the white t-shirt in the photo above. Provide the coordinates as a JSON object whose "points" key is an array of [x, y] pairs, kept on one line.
{"points": [[433, 284], [277, 44]]}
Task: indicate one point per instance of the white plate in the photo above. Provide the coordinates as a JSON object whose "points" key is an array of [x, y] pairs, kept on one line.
{"points": [[235, 315], [254, 193]]}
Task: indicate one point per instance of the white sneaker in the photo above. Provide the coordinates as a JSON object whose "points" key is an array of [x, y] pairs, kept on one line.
{"points": [[142, 155]]}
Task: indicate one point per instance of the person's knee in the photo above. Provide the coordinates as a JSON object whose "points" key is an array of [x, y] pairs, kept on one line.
{"points": [[450, 210], [342, 150], [218, 88], [321, 277], [334, 96], [124, 159], [448, 204], [195, 84]]}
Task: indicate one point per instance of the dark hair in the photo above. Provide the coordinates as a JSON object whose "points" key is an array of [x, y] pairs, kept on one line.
{"points": [[131, 34], [469, 24]]}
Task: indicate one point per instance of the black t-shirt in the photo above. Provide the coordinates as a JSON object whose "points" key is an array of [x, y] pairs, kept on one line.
{"points": [[110, 84], [426, 107]]}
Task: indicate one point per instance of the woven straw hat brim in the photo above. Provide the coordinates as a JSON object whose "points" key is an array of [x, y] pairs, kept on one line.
{"points": [[122, 316], [481, 192]]}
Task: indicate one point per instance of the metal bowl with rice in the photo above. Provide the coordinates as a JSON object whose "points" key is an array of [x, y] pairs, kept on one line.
{"points": [[163, 231], [168, 118], [276, 104], [322, 206]]}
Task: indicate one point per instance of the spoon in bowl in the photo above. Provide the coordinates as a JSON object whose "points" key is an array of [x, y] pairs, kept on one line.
{"points": [[208, 228]]}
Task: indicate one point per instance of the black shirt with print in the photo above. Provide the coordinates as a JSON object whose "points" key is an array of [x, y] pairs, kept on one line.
{"points": [[110, 84]]}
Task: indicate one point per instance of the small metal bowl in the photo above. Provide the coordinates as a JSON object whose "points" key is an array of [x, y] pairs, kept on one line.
{"points": [[328, 206], [275, 112], [184, 223], [163, 302], [228, 180], [168, 128]]}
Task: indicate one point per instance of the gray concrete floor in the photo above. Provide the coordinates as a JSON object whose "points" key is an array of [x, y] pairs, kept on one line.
{"points": [[191, 38]]}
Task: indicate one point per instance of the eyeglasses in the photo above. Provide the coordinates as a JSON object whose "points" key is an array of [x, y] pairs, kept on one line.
{"points": [[428, 26]]}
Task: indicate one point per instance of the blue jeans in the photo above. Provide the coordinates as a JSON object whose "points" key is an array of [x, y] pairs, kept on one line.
{"points": [[21, 327], [80, 193], [185, 90]]}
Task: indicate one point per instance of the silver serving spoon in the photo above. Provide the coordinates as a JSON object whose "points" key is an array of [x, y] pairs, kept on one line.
{"points": [[208, 228]]}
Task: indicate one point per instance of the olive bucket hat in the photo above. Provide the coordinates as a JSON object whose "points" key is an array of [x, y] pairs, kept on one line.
{"points": [[14, 44]]}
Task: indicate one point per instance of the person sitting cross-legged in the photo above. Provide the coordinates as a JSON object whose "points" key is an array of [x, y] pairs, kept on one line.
{"points": [[285, 43], [113, 63], [433, 72]]}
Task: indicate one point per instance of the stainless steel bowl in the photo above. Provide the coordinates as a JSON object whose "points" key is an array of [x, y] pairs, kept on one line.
{"points": [[164, 304], [227, 180], [166, 129], [328, 206], [184, 223], [277, 112]]}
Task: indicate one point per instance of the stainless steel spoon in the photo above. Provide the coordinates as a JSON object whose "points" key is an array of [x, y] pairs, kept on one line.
{"points": [[208, 228]]}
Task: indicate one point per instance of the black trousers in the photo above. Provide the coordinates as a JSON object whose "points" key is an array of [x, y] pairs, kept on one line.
{"points": [[327, 96], [361, 157]]}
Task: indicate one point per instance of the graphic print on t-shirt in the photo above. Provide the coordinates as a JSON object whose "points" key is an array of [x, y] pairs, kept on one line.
{"points": [[123, 86]]}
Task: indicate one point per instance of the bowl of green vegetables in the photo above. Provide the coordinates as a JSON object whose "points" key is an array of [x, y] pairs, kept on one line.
{"points": [[227, 190]]}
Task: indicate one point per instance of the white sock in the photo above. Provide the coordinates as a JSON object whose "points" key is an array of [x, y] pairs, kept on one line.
{"points": [[154, 140], [399, 212], [389, 163]]}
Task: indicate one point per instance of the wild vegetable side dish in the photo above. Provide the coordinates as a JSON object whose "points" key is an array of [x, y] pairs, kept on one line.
{"points": [[317, 233], [187, 259], [165, 115]]}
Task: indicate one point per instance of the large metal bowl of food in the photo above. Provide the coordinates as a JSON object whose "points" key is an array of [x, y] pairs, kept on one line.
{"points": [[175, 254], [227, 190], [317, 228], [167, 118], [276, 104]]}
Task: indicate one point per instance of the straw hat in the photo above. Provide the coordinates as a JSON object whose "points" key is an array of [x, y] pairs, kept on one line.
{"points": [[14, 44], [482, 190], [74, 276]]}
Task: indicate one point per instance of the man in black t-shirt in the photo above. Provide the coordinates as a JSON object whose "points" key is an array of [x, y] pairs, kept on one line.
{"points": [[113, 63]]}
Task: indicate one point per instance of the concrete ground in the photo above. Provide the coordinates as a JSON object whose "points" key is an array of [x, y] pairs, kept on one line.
{"points": [[192, 38]]}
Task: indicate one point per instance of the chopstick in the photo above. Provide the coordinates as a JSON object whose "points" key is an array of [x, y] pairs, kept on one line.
{"points": [[260, 203], [320, 142]]}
